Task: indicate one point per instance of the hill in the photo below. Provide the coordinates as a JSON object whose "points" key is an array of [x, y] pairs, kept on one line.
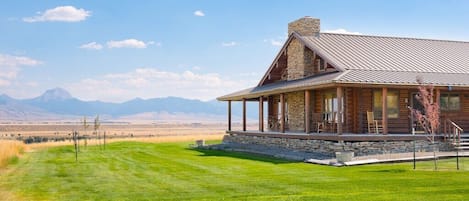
{"points": [[57, 104]]}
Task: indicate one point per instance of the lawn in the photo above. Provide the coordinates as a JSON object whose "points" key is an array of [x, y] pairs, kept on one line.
{"points": [[173, 171]]}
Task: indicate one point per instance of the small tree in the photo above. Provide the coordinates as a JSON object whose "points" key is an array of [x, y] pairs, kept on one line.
{"points": [[85, 126], [97, 124], [429, 120], [75, 142]]}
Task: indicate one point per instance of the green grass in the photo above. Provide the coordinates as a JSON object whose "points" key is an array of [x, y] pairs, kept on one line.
{"points": [[172, 171]]}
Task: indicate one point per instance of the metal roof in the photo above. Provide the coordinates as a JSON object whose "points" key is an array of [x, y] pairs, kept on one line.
{"points": [[392, 53], [376, 60], [402, 78], [281, 87]]}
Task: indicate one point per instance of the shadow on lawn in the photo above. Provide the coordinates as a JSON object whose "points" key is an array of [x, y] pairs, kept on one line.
{"points": [[241, 155]]}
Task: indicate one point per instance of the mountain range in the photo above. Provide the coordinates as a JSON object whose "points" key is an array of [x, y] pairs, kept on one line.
{"points": [[59, 104]]}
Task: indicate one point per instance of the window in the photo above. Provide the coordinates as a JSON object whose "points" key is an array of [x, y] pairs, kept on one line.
{"points": [[321, 64], [392, 104], [331, 104], [450, 102]]}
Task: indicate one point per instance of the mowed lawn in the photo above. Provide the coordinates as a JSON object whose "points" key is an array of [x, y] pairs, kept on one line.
{"points": [[173, 171]]}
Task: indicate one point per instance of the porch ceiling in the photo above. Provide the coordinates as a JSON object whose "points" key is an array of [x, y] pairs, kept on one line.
{"points": [[281, 87], [362, 77]]}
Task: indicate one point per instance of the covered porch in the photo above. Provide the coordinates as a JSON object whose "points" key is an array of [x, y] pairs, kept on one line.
{"points": [[331, 109], [339, 110]]}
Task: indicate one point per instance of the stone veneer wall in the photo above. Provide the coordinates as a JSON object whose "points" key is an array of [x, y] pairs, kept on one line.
{"points": [[296, 111], [329, 148], [300, 61], [273, 121], [295, 59]]}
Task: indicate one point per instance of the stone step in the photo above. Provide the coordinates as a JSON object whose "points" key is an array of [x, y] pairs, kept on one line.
{"points": [[461, 144], [462, 148]]}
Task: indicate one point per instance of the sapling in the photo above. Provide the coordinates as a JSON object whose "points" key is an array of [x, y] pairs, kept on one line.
{"points": [[429, 120]]}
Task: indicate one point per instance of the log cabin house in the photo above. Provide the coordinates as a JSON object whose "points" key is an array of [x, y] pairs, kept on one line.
{"points": [[325, 86]]}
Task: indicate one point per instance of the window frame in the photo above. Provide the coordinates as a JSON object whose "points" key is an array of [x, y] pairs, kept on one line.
{"points": [[380, 108], [448, 108], [334, 105]]}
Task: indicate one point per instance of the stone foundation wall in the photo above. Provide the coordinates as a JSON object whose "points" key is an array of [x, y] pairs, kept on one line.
{"points": [[328, 148]]}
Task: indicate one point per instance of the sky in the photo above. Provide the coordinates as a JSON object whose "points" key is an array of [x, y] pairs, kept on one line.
{"points": [[116, 51]]}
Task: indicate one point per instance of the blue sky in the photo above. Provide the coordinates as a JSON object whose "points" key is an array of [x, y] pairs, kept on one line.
{"points": [[116, 51]]}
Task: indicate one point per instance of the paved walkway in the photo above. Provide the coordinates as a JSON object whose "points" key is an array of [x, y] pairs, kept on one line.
{"points": [[386, 158]]}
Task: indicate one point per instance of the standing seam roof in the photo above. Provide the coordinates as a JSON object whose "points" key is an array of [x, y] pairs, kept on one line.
{"points": [[393, 54]]}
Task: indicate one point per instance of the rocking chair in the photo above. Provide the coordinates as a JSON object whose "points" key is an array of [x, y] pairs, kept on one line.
{"points": [[374, 126]]}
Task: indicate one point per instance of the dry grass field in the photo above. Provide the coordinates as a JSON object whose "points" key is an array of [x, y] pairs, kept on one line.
{"points": [[10, 150], [114, 132], [117, 130]]}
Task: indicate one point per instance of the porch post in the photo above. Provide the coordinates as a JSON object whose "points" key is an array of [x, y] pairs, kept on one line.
{"points": [[282, 114], [340, 95], [261, 114], [229, 115], [385, 110], [244, 114], [307, 111], [438, 94]]}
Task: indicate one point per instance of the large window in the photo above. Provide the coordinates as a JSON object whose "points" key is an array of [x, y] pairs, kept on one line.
{"points": [[392, 104], [331, 105], [450, 102]]}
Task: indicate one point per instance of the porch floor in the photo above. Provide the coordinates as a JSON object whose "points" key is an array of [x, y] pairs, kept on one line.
{"points": [[349, 137], [387, 158]]}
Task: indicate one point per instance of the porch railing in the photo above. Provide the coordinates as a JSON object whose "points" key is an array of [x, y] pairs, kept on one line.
{"points": [[452, 131]]}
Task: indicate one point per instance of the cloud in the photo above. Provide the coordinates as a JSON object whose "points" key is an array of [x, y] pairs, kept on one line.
{"points": [[199, 13], [10, 66], [128, 43], [342, 31], [276, 42], [152, 82], [4, 83], [158, 44], [91, 46], [229, 44], [60, 14], [13, 61]]}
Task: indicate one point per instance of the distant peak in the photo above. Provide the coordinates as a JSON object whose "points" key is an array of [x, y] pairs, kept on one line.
{"points": [[55, 94]]}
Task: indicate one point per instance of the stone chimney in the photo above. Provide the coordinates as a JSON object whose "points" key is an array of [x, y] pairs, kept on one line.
{"points": [[300, 62], [305, 26]]}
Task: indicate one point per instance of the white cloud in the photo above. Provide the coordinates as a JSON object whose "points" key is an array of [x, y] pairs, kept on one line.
{"points": [[60, 14], [151, 83], [276, 42], [199, 13], [92, 46], [229, 44], [158, 44], [342, 31], [4, 83], [10, 66], [196, 68], [127, 43], [9, 60]]}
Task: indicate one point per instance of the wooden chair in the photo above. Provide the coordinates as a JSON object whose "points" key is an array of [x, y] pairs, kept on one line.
{"points": [[374, 126], [320, 124]]}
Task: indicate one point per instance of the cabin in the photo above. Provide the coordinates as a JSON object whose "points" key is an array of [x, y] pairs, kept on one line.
{"points": [[328, 88]]}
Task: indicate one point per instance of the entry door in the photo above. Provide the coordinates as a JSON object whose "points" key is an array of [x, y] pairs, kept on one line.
{"points": [[418, 106]]}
